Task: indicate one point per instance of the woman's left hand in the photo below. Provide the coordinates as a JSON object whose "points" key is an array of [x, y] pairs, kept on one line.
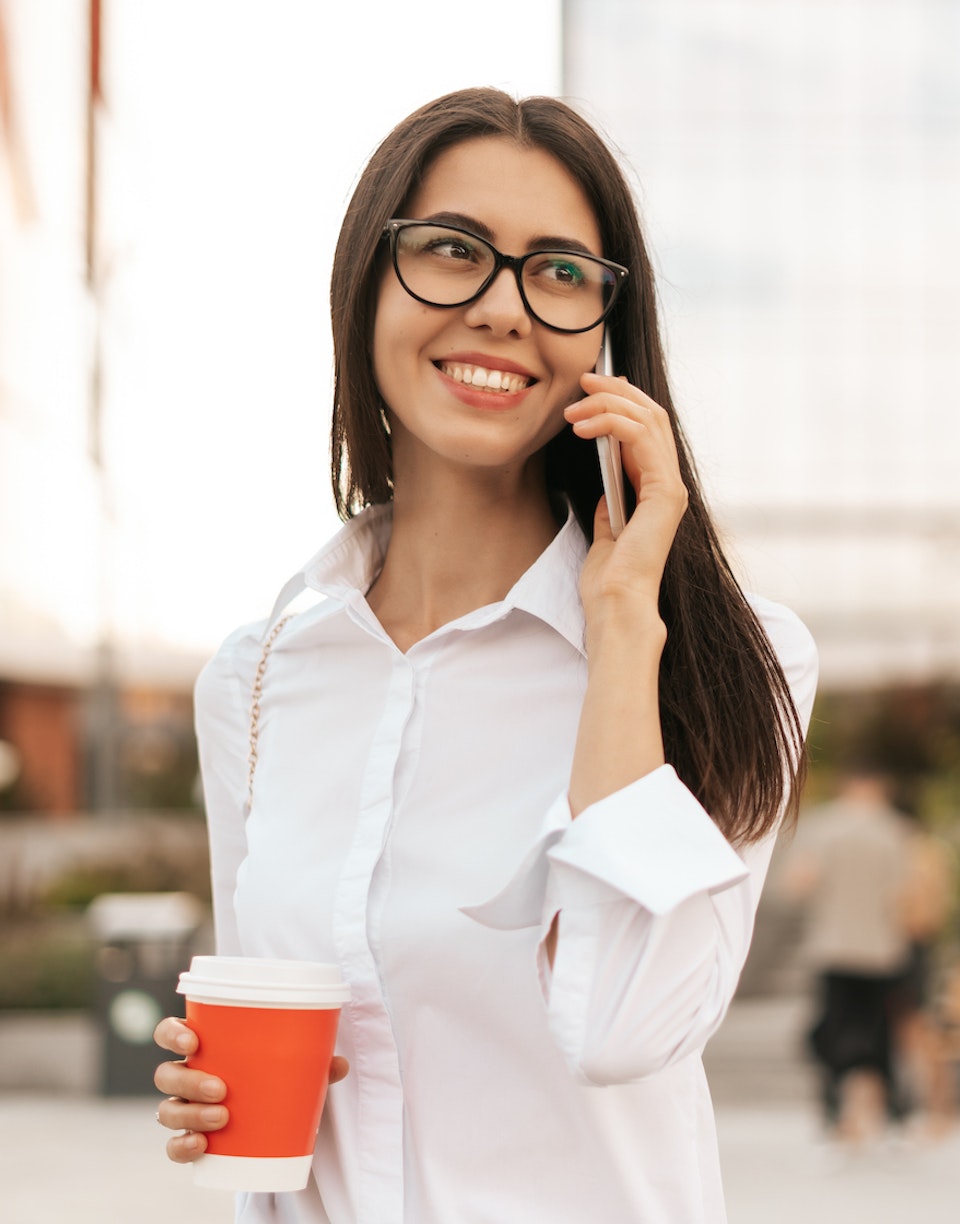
{"points": [[634, 563]]}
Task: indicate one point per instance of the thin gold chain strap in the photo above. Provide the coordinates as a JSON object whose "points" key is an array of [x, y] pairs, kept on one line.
{"points": [[255, 706]]}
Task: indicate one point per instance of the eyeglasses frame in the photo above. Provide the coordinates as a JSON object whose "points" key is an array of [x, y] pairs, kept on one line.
{"points": [[396, 225]]}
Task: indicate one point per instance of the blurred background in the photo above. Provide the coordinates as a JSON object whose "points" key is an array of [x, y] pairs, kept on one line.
{"points": [[172, 179]]}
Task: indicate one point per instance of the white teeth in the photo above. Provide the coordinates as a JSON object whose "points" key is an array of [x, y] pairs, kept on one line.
{"points": [[481, 377]]}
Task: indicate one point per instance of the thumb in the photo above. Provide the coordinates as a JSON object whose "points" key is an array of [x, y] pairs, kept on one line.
{"points": [[339, 1068], [601, 521]]}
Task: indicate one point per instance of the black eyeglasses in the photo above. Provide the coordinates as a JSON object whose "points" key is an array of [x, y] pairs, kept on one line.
{"points": [[441, 265]]}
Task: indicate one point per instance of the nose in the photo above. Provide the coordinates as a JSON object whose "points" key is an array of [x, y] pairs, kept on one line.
{"points": [[500, 307]]}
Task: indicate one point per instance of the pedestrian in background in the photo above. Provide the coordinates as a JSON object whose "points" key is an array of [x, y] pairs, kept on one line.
{"points": [[850, 867]]}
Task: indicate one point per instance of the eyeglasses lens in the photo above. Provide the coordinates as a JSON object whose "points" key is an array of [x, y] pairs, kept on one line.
{"points": [[447, 267]]}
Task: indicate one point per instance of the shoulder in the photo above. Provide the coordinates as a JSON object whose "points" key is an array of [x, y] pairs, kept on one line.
{"points": [[344, 565], [789, 636], [225, 682], [793, 644]]}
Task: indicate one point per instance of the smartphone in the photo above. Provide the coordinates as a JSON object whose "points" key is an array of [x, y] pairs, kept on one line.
{"points": [[608, 449]]}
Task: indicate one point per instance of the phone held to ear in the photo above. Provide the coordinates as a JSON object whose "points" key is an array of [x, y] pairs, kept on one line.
{"points": [[611, 468]]}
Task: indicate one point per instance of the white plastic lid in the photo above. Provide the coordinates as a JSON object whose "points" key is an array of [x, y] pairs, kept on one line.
{"points": [[259, 982]]}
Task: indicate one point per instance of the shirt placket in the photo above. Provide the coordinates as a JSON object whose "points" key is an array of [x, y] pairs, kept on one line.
{"points": [[380, 1096]]}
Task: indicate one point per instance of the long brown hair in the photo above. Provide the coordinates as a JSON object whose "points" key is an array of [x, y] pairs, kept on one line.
{"points": [[730, 727]]}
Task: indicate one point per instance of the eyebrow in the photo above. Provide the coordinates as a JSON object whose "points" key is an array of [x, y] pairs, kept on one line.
{"points": [[540, 242]]}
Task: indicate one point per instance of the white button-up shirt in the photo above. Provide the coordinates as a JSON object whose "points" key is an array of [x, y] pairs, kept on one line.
{"points": [[409, 821]]}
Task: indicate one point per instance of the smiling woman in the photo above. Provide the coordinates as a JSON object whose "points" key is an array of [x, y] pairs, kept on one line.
{"points": [[520, 779], [435, 418]]}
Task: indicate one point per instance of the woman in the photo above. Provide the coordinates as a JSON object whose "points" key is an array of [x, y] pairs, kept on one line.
{"points": [[519, 779]]}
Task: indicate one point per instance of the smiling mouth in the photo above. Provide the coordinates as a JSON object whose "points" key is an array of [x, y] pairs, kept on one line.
{"points": [[484, 379]]}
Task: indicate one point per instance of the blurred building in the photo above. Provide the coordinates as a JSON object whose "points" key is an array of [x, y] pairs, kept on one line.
{"points": [[798, 167], [84, 706]]}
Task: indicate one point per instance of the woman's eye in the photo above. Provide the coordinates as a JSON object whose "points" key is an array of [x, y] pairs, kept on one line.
{"points": [[450, 248], [561, 273]]}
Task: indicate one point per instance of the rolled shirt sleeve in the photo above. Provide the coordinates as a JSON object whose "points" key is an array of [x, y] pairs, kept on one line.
{"points": [[655, 910], [651, 841]]}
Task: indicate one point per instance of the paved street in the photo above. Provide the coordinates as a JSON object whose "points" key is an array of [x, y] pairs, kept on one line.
{"points": [[69, 1155], [91, 1161], [84, 1160], [776, 1172]]}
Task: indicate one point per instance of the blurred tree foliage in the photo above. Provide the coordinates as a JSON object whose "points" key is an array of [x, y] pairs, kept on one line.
{"points": [[150, 873], [47, 963], [913, 732]]}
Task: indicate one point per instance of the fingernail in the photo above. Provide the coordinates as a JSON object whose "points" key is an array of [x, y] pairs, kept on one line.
{"points": [[184, 1041], [211, 1088], [212, 1115], [190, 1142]]}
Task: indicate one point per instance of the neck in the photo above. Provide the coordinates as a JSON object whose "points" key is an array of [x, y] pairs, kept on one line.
{"points": [[455, 546]]}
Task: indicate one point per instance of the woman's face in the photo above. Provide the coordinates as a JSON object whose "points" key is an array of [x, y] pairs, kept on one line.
{"points": [[523, 199]]}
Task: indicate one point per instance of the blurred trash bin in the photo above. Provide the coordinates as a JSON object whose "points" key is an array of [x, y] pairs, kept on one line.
{"points": [[144, 941]]}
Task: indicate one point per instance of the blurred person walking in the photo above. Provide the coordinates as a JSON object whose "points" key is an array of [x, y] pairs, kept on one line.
{"points": [[850, 866]]}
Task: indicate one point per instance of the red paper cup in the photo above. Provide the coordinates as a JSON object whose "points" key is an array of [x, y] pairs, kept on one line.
{"points": [[267, 1028]]}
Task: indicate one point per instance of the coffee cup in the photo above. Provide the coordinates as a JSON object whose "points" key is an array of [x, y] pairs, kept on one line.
{"points": [[267, 1028]]}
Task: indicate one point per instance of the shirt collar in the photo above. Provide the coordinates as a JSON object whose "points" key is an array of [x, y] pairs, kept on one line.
{"points": [[550, 589], [346, 567]]}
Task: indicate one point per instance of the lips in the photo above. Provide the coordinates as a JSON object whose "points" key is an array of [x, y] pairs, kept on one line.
{"points": [[484, 378]]}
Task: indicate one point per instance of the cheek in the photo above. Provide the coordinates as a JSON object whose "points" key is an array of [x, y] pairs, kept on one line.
{"points": [[386, 346], [574, 358], [381, 364], [401, 327]]}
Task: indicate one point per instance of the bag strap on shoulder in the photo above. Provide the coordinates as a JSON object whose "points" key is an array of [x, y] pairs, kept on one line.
{"points": [[278, 619]]}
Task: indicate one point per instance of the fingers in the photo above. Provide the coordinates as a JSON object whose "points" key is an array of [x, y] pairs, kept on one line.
{"points": [[616, 408], [194, 1120], [621, 411], [614, 397], [602, 528], [172, 1034], [339, 1067], [625, 428], [176, 1079], [177, 1114], [187, 1111], [192, 1095], [594, 384], [181, 1149]]}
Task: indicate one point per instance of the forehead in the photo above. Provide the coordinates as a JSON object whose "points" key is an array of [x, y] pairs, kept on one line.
{"points": [[516, 191]]}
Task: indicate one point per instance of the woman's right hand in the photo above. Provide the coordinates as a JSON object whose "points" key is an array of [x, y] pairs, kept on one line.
{"points": [[192, 1096]]}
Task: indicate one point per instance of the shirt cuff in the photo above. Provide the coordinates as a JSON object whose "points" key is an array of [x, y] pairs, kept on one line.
{"points": [[652, 841]]}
